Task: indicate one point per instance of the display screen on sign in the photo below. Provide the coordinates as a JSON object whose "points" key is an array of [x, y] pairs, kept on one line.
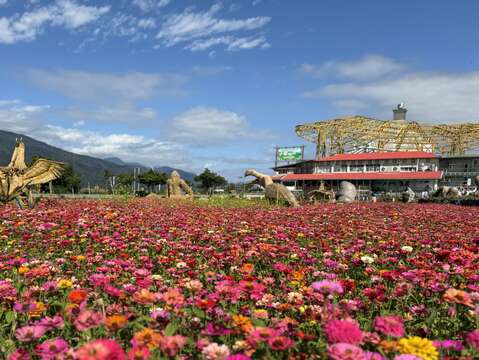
{"points": [[287, 154]]}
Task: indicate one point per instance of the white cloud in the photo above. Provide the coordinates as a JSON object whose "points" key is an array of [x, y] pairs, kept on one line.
{"points": [[208, 126], [369, 66], [26, 119], [18, 117], [123, 112], [3, 2], [233, 44], [63, 13], [134, 148], [79, 123], [191, 129], [148, 5], [148, 23], [430, 97], [190, 26], [107, 87]]}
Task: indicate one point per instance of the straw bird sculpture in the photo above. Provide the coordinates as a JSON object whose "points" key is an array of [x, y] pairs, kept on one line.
{"points": [[17, 178], [272, 191]]}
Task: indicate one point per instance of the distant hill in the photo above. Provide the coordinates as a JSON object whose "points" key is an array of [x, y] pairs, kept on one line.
{"points": [[190, 177], [90, 169], [164, 169]]}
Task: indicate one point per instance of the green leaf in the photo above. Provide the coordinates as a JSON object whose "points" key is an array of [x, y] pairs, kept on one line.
{"points": [[198, 312], [10, 316], [171, 328]]}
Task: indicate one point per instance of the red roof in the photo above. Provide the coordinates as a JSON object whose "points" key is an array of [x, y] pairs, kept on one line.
{"points": [[409, 175], [396, 155]]}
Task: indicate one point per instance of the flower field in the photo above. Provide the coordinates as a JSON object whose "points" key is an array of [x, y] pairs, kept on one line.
{"points": [[146, 279]]}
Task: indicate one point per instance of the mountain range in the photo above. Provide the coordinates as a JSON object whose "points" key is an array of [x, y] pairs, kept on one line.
{"points": [[90, 169]]}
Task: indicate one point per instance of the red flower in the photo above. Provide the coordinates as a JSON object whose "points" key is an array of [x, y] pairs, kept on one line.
{"points": [[77, 296]]}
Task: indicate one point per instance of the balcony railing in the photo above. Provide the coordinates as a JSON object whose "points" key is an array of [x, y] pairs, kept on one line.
{"points": [[449, 173]]}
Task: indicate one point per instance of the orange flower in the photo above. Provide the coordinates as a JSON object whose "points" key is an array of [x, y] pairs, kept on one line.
{"points": [[173, 297], [298, 275], [77, 296], [115, 322], [388, 345], [144, 297], [23, 269], [243, 323], [247, 269], [458, 296], [39, 309], [147, 337]]}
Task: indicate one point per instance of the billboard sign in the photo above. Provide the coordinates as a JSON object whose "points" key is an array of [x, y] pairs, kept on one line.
{"points": [[290, 153]]}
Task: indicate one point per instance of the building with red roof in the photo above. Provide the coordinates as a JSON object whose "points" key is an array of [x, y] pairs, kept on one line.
{"points": [[375, 171]]}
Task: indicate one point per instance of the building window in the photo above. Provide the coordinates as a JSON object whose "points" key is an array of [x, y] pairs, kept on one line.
{"points": [[373, 167], [357, 168]]}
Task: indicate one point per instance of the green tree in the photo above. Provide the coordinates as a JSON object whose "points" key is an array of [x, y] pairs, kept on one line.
{"points": [[68, 182], [210, 180], [152, 178], [125, 179]]}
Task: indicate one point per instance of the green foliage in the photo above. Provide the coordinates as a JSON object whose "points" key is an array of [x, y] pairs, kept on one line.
{"points": [[152, 178], [209, 179], [125, 179]]}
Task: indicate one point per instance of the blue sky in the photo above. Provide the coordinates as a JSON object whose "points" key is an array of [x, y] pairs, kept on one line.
{"points": [[220, 83]]}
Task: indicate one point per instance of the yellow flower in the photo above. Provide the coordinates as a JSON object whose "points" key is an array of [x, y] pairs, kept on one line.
{"points": [[418, 346], [260, 314], [294, 283], [81, 257], [23, 269], [64, 284]]}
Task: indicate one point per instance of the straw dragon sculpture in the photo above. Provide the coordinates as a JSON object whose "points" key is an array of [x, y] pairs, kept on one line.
{"points": [[16, 179], [272, 191]]}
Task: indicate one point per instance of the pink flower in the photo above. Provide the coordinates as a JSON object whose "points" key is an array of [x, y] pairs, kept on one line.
{"points": [[215, 351], [280, 342], [342, 351], [407, 357], [51, 323], [7, 290], [88, 319], [103, 349], [139, 353], [20, 354], [343, 331], [50, 286], [30, 333], [51, 349], [473, 339], [328, 287], [374, 356], [24, 307], [172, 345], [260, 334], [238, 357], [389, 325]]}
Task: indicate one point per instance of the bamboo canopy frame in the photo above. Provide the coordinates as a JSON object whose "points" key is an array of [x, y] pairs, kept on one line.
{"points": [[360, 133]]}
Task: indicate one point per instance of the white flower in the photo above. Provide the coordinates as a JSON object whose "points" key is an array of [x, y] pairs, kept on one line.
{"points": [[216, 352], [407, 248], [181, 265], [367, 259]]}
